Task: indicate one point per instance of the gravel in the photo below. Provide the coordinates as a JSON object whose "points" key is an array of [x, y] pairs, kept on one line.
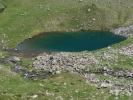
{"points": [[63, 61]]}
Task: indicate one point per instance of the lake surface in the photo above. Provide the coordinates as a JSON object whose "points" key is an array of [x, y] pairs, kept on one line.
{"points": [[69, 41]]}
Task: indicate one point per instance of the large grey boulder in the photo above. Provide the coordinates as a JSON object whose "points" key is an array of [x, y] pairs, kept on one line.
{"points": [[14, 59], [124, 31]]}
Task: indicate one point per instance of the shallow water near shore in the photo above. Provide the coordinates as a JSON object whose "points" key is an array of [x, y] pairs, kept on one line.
{"points": [[69, 41]]}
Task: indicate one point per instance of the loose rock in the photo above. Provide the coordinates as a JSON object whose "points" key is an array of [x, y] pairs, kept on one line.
{"points": [[58, 62]]}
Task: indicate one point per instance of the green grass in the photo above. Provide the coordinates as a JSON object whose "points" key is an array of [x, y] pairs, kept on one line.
{"points": [[65, 85], [14, 87]]}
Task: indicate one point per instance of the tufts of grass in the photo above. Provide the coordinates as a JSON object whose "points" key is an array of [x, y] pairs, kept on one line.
{"points": [[66, 86]]}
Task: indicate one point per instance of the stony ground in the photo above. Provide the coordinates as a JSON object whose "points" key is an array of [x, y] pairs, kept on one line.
{"points": [[89, 65], [101, 70]]}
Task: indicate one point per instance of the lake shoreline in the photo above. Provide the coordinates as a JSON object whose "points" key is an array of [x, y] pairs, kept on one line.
{"points": [[126, 31]]}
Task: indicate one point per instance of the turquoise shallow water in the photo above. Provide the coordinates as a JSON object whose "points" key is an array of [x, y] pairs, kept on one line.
{"points": [[70, 41]]}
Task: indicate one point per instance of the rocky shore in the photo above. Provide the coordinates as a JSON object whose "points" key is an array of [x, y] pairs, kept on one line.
{"points": [[82, 62], [65, 61], [124, 31]]}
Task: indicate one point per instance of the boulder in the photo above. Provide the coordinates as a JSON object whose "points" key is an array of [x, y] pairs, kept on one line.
{"points": [[124, 31], [14, 59], [2, 7], [34, 96], [80, 0], [106, 84]]}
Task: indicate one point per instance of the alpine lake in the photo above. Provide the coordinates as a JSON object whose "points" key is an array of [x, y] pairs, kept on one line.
{"points": [[69, 41]]}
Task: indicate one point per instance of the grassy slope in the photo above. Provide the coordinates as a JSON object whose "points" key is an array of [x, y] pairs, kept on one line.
{"points": [[14, 87], [22, 19]]}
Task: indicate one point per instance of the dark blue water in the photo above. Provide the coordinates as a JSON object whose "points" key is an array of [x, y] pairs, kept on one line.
{"points": [[70, 41]]}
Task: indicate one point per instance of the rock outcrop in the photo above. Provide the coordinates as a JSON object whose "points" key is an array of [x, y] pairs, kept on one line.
{"points": [[2, 7], [124, 31]]}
